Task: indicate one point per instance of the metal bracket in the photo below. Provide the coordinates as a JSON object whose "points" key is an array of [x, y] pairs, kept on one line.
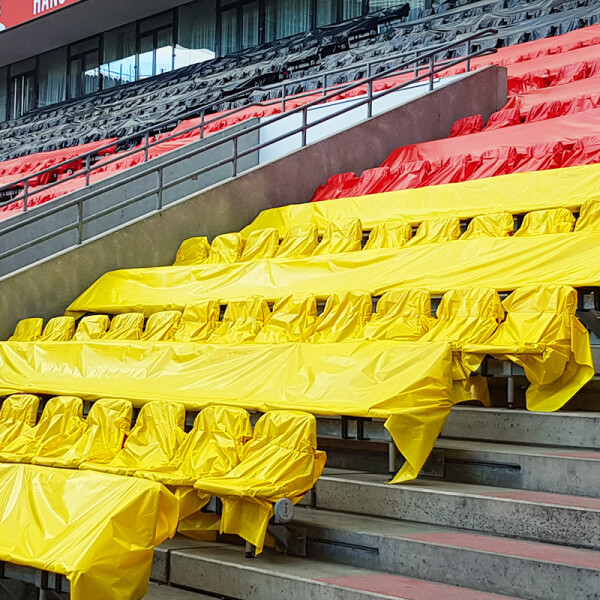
{"points": [[289, 539]]}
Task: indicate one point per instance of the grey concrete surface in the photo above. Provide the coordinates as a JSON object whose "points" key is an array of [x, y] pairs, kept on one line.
{"points": [[165, 592], [46, 288]]}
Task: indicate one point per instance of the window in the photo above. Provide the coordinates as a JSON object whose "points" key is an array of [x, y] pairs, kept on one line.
{"points": [[196, 36], [286, 17], [229, 28], [352, 8], [84, 67], [119, 56], [327, 12], [52, 75], [250, 25], [155, 45], [3, 93], [22, 87]]}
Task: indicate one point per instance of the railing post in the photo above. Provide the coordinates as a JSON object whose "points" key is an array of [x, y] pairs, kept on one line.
{"points": [[324, 84], [87, 170], [370, 97], [304, 122], [431, 66], [79, 223], [283, 98], [416, 64], [159, 200], [25, 194], [146, 149], [202, 125], [235, 156], [468, 56]]}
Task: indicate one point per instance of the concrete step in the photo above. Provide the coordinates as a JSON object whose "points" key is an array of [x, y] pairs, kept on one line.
{"points": [[539, 516], [532, 570], [165, 592], [222, 569], [548, 469]]}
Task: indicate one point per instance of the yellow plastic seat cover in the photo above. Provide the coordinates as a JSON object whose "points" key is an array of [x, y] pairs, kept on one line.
{"points": [[58, 329], [345, 236], [61, 422], [495, 225], [193, 251], [403, 314], [394, 234], [161, 326], [343, 317], [17, 415], [542, 222], [27, 330], [211, 449], [436, 231], [281, 461], [93, 327], [126, 326], [299, 241], [261, 244], [106, 426], [198, 321], [242, 321], [293, 320], [153, 442], [226, 248], [589, 217]]}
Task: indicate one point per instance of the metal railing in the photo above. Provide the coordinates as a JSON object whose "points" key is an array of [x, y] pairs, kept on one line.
{"points": [[414, 65]]}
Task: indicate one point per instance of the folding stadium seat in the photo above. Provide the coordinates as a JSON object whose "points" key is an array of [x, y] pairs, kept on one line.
{"points": [[390, 235], [343, 317], [106, 428], [226, 248], [61, 422], [507, 117], [198, 321], [541, 222], [281, 461], [152, 443], [435, 231], [261, 243], [58, 329], [161, 326], [409, 175], [299, 241], [193, 251], [343, 237], [589, 217], [486, 226], [401, 315], [93, 327], [242, 321], [27, 330], [293, 320], [467, 125], [17, 415], [372, 181], [126, 326], [211, 449]]}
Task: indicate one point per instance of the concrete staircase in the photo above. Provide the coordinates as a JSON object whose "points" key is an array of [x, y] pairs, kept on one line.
{"points": [[512, 511]]}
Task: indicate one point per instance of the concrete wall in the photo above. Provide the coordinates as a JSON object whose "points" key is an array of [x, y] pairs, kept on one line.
{"points": [[46, 288]]}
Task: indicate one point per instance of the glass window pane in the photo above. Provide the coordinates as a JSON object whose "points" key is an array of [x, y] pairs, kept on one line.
{"points": [[156, 22], [92, 43], [286, 17], [52, 77], [353, 8], [229, 31], [164, 51], [91, 77], [3, 93], [75, 77], [326, 12], [119, 56], [250, 25], [146, 57], [196, 39]]}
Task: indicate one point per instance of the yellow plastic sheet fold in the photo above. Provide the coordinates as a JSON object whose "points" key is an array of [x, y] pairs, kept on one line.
{"points": [[544, 222], [27, 330], [281, 461], [226, 248], [517, 193], [410, 382], [343, 317], [59, 329], [128, 326], [98, 530], [345, 236], [193, 251], [92, 327], [198, 321], [500, 263], [241, 322], [436, 231], [17, 415], [498, 225], [299, 241], [261, 244], [589, 217], [162, 326], [293, 320], [389, 235]]}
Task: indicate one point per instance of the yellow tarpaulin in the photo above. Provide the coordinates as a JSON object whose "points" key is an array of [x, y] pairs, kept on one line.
{"points": [[516, 193], [27, 330], [98, 530], [410, 383], [500, 263], [17, 415]]}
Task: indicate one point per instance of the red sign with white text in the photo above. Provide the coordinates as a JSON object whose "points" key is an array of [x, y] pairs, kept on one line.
{"points": [[15, 12]]}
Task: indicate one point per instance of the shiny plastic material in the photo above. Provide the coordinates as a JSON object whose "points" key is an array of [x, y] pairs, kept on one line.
{"points": [[58, 329], [389, 235], [496, 225], [211, 449], [343, 317], [106, 426], [281, 461], [242, 321], [17, 415], [541, 222], [193, 251], [61, 422], [435, 231], [345, 236], [226, 248], [261, 244], [589, 217], [293, 320], [98, 530], [198, 322], [152, 443], [128, 326], [299, 241], [93, 327], [162, 326], [27, 330], [401, 315], [542, 334]]}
